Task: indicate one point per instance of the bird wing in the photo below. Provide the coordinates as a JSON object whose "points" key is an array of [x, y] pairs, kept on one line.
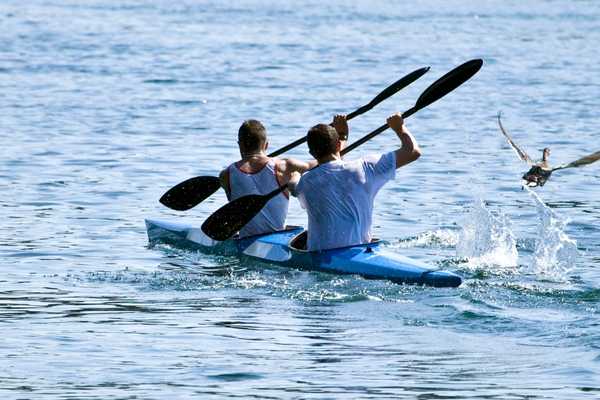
{"points": [[522, 155], [581, 162]]}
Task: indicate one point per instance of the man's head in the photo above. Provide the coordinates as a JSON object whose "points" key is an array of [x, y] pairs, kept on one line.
{"points": [[252, 137], [323, 141]]}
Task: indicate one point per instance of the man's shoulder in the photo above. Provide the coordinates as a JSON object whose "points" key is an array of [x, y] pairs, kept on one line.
{"points": [[308, 175], [380, 166], [374, 158]]}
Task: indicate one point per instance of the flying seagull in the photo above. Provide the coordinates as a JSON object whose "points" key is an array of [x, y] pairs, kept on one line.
{"points": [[540, 171]]}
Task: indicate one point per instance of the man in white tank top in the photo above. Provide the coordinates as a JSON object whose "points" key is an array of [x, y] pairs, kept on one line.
{"points": [[338, 195], [257, 173]]}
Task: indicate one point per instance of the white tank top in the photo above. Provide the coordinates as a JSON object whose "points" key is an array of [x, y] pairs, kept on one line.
{"points": [[272, 217]]}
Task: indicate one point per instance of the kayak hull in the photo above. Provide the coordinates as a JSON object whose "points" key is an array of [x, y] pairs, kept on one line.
{"points": [[371, 260]]}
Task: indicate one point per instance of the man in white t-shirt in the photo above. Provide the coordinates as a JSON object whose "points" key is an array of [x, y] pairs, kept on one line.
{"points": [[338, 195]]}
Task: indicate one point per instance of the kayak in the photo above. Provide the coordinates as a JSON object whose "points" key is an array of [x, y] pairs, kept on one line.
{"points": [[284, 248]]}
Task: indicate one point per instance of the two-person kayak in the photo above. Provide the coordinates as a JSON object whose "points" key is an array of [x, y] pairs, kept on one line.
{"points": [[370, 260]]}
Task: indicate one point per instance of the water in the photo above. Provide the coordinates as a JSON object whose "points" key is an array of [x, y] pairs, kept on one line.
{"points": [[104, 106]]}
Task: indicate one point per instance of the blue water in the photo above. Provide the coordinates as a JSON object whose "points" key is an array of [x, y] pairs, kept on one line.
{"points": [[105, 105]]}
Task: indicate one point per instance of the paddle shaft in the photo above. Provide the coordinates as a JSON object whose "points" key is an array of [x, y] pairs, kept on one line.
{"points": [[434, 92], [376, 132], [298, 142], [387, 92], [354, 145], [303, 139], [351, 147], [193, 191]]}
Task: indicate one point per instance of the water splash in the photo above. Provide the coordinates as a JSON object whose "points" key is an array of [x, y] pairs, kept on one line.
{"points": [[555, 252], [486, 239]]}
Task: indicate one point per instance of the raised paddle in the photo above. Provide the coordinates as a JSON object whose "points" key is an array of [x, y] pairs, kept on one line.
{"points": [[193, 191], [230, 218]]}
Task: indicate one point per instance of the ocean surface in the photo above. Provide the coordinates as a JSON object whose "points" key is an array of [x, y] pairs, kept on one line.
{"points": [[104, 105]]}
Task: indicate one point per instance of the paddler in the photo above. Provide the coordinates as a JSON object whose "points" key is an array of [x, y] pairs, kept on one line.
{"points": [[338, 195], [257, 173]]}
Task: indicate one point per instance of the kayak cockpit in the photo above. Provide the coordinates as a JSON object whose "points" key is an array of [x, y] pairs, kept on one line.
{"points": [[299, 243]]}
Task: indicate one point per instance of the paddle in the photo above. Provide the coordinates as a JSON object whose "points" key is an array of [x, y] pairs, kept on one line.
{"points": [[230, 218], [193, 191]]}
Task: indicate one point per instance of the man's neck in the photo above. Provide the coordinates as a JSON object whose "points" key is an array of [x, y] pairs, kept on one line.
{"points": [[253, 155], [329, 158]]}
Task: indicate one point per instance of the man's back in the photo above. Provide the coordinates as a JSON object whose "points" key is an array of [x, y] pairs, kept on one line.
{"points": [[338, 197], [258, 180]]}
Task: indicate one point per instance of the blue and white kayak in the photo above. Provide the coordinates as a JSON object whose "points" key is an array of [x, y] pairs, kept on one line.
{"points": [[371, 260]]}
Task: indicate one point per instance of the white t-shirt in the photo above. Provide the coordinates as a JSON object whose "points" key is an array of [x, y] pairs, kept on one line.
{"points": [[338, 198]]}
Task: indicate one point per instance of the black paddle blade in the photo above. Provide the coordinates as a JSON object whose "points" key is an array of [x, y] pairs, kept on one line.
{"points": [[232, 217], [434, 92], [399, 85], [448, 83], [190, 193], [390, 91]]}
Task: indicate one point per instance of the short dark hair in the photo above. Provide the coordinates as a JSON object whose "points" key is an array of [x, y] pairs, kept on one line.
{"points": [[252, 135], [322, 140]]}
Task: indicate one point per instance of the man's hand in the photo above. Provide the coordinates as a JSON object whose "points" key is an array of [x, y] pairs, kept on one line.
{"points": [[396, 122], [341, 126]]}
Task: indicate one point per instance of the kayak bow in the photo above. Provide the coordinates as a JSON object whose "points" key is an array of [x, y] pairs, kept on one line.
{"points": [[371, 260]]}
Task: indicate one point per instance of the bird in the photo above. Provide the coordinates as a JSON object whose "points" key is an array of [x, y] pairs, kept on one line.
{"points": [[540, 171]]}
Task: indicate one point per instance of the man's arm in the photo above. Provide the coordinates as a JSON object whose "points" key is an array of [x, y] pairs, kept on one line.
{"points": [[288, 166], [301, 167], [410, 150]]}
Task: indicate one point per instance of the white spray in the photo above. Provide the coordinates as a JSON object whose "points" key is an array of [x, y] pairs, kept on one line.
{"points": [[555, 253], [487, 239]]}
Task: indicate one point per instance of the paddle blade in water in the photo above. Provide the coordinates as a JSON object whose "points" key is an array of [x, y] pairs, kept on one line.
{"points": [[232, 217], [190, 193], [448, 83]]}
